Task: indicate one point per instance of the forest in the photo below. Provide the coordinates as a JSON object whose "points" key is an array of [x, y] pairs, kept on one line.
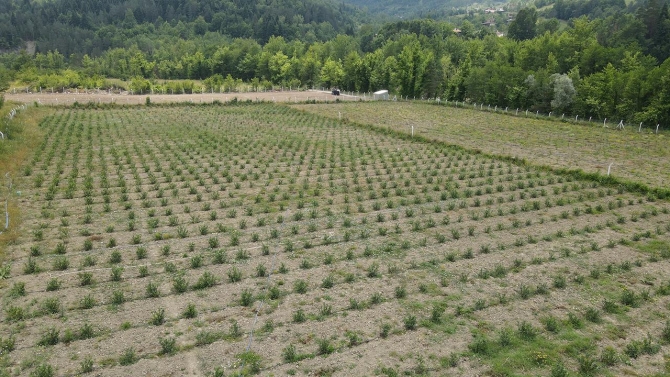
{"points": [[587, 58], [411, 9]]}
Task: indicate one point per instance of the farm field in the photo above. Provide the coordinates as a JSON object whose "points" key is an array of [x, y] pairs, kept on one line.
{"points": [[257, 239], [640, 157]]}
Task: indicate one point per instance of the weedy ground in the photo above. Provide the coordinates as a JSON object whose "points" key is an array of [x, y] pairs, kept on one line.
{"points": [[157, 240]]}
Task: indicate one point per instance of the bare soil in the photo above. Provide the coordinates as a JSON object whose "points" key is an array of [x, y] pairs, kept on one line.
{"points": [[71, 97]]}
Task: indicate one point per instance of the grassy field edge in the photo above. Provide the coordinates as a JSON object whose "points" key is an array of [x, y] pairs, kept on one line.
{"points": [[15, 151]]}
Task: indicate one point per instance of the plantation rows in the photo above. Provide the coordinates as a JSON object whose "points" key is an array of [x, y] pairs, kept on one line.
{"points": [[174, 232], [637, 155]]}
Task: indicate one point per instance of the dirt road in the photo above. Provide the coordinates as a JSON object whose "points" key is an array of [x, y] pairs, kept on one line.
{"points": [[69, 98]]}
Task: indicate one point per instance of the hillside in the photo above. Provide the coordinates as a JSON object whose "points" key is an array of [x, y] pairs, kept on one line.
{"points": [[96, 25], [409, 8]]}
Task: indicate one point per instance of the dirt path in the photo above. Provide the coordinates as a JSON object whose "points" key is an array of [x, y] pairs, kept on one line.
{"points": [[69, 98]]}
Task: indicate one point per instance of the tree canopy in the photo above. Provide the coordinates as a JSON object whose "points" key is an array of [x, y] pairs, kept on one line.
{"points": [[524, 25]]}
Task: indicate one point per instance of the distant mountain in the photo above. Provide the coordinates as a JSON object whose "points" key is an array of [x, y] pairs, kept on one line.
{"points": [[409, 8]]}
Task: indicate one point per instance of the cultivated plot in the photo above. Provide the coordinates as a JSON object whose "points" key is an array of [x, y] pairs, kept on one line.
{"points": [[258, 239], [634, 156]]}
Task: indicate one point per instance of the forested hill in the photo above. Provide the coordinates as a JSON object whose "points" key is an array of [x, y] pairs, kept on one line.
{"points": [[93, 26], [409, 8]]}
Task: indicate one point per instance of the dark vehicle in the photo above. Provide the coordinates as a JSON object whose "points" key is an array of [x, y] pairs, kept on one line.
{"points": [[336, 92]]}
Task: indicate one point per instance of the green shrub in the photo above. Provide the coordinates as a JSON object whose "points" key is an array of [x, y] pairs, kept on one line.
{"points": [[128, 357], [61, 264], [86, 366], [190, 311], [526, 331], [592, 315], [610, 356], [207, 337], [629, 298], [86, 331], [299, 316], [116, 273], [206, 280], [559, 370], [479, 345], [400, 292], [50, 337], [410, 322], [7, 345], [328, 282], [179, 284], [235, 331], [251, 361], [234, 275], [87, 302], [246, 298], [300, 286], [152, 290], [505, 337], [118, 298], [51, 305], [551, 324], [31, 267], [324, 347], [289, 354], [168, 345], [325, 311], [43, 370], [18, 289], [587, 365], [157, 317], [85, 278]]}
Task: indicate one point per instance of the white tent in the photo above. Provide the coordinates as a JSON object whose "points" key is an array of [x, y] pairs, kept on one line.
{"points": [[381, 95]]}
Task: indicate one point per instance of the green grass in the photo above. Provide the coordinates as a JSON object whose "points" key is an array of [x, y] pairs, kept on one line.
{"points": [[657, 248]]}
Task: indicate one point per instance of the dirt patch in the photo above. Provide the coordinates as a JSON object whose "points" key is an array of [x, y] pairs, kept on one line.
{"points": [[71, 97]]}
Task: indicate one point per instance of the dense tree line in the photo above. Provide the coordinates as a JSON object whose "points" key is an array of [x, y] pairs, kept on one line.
{"points": [[93, 26], [408, 9], [567, 9], [614, 67]]}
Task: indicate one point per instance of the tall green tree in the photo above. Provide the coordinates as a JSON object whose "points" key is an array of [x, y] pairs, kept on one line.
{"points": [[413, 63], [332, 73], [524, 25]]}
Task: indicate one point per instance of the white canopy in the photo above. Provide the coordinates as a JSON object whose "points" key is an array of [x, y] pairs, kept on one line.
{"points": [[381, 94]]}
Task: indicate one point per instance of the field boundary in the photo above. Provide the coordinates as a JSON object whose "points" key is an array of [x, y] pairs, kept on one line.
{"points": [[16, 150]]}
